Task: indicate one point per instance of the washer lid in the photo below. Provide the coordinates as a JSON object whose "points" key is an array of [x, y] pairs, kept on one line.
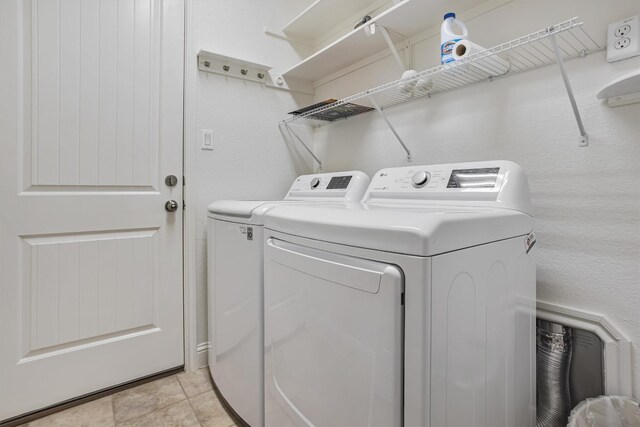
{"points": [[247, 211], [405, 229]]}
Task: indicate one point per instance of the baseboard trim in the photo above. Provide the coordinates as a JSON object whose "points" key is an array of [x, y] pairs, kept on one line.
{"points": [[202, 354], [617, 348]]}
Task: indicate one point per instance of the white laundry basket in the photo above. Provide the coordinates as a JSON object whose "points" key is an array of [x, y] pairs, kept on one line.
{"points": [[606, 411]]}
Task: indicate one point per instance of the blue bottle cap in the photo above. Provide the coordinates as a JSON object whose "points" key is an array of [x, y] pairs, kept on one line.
{"points": [[449, 15]]}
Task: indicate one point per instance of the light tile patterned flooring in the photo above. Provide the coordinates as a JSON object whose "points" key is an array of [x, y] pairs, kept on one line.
{"points": [[185, 399]]}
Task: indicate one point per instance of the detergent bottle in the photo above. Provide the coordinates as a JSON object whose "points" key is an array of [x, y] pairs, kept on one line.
{"points": [[448, 38]]}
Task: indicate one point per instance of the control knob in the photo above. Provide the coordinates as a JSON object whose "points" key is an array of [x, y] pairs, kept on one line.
{"points": [[315, 182], [420, 179]]}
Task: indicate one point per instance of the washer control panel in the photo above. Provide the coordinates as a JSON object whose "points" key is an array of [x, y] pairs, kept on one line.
{"points": [[347, 185], [321, 183]]}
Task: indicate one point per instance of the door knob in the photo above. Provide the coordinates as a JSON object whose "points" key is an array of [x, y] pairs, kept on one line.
{"points": [[171, 206]]}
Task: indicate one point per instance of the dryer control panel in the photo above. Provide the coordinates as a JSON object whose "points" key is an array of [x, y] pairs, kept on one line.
{"points": [[349, 186], [435, 179], [500, 183]]}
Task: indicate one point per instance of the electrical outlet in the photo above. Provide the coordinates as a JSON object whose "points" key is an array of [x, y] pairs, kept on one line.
{"points": [[622, 30], [623, 39], [621, 43]]}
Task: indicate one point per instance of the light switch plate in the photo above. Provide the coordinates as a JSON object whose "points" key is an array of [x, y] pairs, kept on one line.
{"points": [[623, 39], [207, 139]]}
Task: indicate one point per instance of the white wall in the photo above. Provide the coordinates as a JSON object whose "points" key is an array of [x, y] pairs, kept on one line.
{"points": [[586, 200], [251, 159]]}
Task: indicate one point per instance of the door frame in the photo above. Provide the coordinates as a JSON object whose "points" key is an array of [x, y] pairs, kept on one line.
{"points": [[193, 359]]}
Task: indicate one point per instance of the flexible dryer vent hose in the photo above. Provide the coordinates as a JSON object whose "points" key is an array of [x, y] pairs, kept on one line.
{"points": [[553, 360]]}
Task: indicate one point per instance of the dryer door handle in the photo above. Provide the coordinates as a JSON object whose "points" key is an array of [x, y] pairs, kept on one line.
{"points": [[356, 273]]}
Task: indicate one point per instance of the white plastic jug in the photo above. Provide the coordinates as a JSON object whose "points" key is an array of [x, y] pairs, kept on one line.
{"points": [[448, 38]]}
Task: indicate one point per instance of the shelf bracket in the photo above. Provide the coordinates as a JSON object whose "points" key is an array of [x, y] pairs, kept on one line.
{"points": [[377, 107], [392, 47], [306, 147], [584, 138]]}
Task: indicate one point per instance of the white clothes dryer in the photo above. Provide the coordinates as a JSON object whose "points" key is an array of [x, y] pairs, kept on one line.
{"points": [[415, 307], [235, 279]]}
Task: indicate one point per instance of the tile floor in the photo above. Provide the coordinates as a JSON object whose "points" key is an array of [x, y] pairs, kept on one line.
{"points": [[185, 399]]}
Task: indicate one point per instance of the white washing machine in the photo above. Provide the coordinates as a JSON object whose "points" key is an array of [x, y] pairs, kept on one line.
{"points": [[235, 279], [414, 308]]}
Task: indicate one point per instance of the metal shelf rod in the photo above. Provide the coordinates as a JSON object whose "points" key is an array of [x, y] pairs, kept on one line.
{"points": [[584, 138], [392, 47], [291, 132], [384, 116]]}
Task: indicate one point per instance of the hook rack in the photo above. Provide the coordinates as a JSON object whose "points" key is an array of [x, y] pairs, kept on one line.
{"points": [[553, 44], [232, 67]]}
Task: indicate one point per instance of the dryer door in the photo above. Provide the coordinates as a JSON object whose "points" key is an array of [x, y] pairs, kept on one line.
{"points": [[333, 338]]}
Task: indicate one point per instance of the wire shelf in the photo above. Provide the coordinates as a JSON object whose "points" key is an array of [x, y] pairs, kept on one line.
{"points": [[525, 53]]}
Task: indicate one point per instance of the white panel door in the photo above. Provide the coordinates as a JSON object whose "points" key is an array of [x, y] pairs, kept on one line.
{"points": [[90, 260]]}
